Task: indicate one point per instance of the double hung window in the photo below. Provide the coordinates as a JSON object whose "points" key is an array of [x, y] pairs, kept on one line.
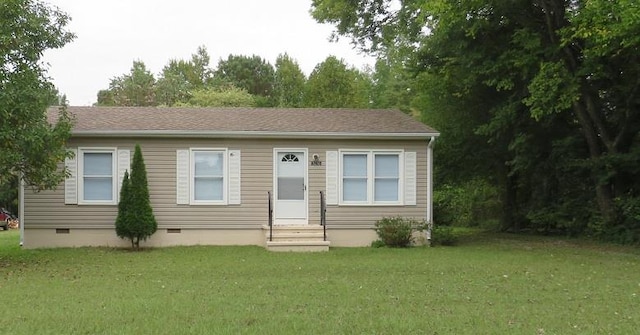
{"points": [[371, 177], [208, 176], [98, 176]]}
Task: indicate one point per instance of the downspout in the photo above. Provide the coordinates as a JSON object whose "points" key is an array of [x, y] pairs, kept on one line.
{"points": [[430, 188], [21, 209]]}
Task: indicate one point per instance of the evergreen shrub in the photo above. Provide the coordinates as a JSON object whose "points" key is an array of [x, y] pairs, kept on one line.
{"points": [[135, 220]]}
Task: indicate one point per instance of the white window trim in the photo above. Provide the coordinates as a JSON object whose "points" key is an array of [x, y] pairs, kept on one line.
{"points": [[225, 176], [371, 177], [114, 175]]}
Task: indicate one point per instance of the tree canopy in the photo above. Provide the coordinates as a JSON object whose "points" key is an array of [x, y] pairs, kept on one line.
{"points": [[223, 96], [289, 82], [545, 92], [134, 89], [31, 146], [253, 74], [180, 78], [332, 84], [240, 81]]}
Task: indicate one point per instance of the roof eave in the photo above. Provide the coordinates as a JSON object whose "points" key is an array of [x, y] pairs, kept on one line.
{"points": [[250, 134]]}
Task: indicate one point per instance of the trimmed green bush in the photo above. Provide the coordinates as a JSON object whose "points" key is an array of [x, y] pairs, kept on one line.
{"points": [[135, 220], [443, 235], [474, 203], [377, 244], [395, 231]]}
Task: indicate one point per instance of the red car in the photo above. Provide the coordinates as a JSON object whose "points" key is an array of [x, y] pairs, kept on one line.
{"points": [[5, 217]]}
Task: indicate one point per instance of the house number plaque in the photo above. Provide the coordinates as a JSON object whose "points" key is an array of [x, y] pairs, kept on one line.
{"points": [[316, 161]]}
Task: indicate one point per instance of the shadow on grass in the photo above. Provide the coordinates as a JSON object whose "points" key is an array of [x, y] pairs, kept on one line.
{"points": [[468, 237]]}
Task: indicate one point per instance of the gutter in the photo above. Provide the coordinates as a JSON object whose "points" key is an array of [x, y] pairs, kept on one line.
{"points": [[249, 134], [432, 140], [21, 209]]}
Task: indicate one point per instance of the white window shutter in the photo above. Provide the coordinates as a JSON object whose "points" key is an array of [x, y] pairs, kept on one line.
{"points": [[234, 177], [124, 164], [410, 172], [182, 177], [71, 182], [332, 178]]}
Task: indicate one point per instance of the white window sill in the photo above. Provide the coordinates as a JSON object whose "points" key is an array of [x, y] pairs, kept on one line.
{"points": [[97, 203], [377, 204], [208, 203]]}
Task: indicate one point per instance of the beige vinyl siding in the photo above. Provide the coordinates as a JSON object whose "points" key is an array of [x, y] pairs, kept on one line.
{"points": [[47, 209]]}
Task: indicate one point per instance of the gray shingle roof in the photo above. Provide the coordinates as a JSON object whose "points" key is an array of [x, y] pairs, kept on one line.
{"points": [[245, 121]]}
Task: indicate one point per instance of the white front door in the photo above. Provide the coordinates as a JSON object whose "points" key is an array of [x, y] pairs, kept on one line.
{"points": [[290, 185]]}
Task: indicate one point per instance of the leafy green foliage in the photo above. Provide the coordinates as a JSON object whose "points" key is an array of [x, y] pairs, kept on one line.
{"points": [[180, 77], [174, 84], [372, 24], [30, 146], [471, 204], [9, 195], [377, 244], [627, 228], [134, 89], [552, 90], [289, 82], [253, 74], [243, 81], [538, 98], [392, 85], [135, 220], [124, 208], [443, 235], [396, 231], [332, 85], [227, 96], [172, 87]]}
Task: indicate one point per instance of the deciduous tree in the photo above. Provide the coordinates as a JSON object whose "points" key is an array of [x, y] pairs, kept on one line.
{"points": [[223, 96], [557, 81], [30, 146], [289, 82], [332, 84], [253, 74], [137, 88], [179, 78]]}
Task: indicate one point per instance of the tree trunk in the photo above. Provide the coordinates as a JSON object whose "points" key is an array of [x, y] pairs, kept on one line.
{"points": [[510, 204], [604, 194]]}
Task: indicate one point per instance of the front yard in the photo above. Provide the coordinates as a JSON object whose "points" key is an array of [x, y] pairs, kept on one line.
{"points": [[489, 284]]}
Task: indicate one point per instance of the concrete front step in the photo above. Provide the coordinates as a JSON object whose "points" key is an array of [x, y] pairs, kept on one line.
{"points": [[296, 238], [298, 246], [280, 236]]}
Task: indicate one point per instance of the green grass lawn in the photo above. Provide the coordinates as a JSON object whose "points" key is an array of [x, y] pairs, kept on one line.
{"points": [[488, 284]]}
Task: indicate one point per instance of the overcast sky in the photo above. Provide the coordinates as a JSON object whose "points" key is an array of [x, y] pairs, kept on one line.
{"points": [[112, 34]]}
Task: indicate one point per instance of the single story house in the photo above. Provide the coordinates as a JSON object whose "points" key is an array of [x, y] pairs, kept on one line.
{"points": [[239, 176]]}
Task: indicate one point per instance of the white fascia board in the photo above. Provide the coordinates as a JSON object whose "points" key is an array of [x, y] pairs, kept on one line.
{"points": [[251, 134]]}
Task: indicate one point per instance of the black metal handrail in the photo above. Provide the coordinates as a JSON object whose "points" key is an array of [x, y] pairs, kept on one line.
{"points": [[270, 217], [323, 214]]}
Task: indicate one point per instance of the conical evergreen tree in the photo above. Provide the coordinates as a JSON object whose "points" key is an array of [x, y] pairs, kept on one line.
{"points": [[123, 207], [137, 221]]}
